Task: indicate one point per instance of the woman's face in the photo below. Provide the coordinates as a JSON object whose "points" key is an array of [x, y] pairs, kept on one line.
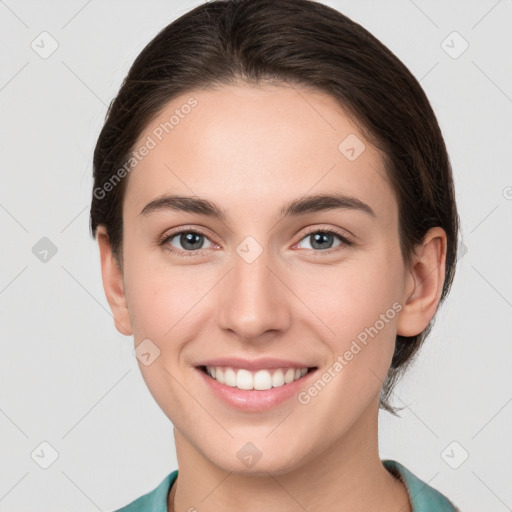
{"points": [[265, 280]]}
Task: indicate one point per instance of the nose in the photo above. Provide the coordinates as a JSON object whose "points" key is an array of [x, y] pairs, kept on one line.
{"points": [[253, 300]]}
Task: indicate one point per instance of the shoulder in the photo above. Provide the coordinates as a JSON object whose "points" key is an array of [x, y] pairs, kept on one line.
{"points": [[424, 498], [155, 500]]}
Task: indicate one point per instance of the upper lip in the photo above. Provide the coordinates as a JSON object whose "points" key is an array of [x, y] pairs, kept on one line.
{"points": [[253, 364]]}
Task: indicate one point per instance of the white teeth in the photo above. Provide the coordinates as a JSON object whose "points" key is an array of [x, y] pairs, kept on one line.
{"points": [[217, 374], [277, 379], [289, 376], [229, 377], [244, 379], [260, 380]]}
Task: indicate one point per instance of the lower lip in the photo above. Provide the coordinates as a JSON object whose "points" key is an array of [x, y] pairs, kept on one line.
{"points": [[254, 399]]}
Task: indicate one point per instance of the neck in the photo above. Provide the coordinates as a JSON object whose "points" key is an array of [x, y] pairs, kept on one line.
{"points": [[346, 475]]}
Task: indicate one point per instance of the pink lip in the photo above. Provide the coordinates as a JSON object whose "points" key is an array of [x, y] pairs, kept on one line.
{"points": [[254, 400], [253, 364]]}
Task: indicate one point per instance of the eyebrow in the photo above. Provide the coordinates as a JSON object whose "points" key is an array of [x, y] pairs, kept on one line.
{"points": [[302, 206]]}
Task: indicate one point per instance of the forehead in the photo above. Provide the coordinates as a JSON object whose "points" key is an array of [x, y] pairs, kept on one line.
{"points": [[240, 144]]}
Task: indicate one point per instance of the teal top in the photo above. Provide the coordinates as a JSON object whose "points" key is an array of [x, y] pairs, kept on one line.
{"points": [[423, 497]]}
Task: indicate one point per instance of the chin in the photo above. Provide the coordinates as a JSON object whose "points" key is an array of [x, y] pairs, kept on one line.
{"points": [[250, 460]]}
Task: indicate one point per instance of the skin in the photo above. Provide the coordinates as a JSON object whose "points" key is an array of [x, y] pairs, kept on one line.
{"points": [[251, 149]]}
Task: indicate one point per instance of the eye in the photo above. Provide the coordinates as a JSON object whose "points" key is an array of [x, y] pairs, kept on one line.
{"points": [[321, 239], [191, 241]]}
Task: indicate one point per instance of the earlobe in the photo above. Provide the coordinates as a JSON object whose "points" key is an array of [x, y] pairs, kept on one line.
{"points": [[113, 283], [424, 284]]}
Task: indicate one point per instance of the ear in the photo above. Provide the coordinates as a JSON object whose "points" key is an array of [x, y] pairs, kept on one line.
{"points": [[113, 283], [424, 284]]}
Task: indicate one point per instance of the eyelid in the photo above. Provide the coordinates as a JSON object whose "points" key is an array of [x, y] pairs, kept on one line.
{"points": [[180, 230], [162, 241], [347, 237]]}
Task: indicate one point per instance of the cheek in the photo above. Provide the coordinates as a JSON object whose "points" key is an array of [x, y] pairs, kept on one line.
{"points": [[351, 295], [156, 303], [356, 306], [164, 300], [148, 289], [361, 315]]}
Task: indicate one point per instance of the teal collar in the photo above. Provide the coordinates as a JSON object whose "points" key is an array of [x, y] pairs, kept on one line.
{"points": [[422, 497]]}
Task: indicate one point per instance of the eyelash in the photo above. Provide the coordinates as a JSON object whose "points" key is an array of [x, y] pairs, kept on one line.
{"points": [[346, 241]]}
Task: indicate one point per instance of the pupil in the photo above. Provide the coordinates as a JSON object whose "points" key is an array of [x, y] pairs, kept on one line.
{"points": [[320, 238], [188, 239]]}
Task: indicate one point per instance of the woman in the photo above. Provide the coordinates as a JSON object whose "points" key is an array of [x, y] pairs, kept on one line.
{"points": [[276, 219]]}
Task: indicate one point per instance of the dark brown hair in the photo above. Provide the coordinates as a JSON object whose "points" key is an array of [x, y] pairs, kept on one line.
{"points": [[298, 42]]}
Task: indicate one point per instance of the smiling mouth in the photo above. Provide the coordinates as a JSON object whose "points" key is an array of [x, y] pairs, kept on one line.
{"points": [[255, 380]]}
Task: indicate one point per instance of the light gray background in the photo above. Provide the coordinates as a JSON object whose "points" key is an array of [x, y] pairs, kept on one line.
{"points": [[68, 378]]}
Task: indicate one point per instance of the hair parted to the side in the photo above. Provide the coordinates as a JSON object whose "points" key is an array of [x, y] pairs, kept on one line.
{"points": [[304, 43]]}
